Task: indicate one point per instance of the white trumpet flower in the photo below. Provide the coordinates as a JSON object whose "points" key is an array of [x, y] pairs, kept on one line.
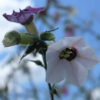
{"points": [[69, 59]]}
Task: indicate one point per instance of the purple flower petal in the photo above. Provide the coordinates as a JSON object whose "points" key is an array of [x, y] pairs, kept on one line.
{"points": [[34, 10], [25, 16], [15, 13], [10, 18]]}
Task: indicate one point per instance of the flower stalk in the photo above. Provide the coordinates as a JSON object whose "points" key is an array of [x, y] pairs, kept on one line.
{"points": [[50, 91]]}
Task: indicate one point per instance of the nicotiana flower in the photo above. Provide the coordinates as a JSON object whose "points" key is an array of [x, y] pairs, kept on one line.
{"points": [[25, 16], [69, 59], [70, 30]]}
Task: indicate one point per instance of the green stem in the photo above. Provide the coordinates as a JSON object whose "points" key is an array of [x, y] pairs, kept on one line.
{"points": [[44, 58], [31, 28], [49, 85], [50, 91]]}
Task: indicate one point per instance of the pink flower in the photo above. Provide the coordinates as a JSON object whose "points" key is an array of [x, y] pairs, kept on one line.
{"points": [[69, 30], [64, 91], [69, 59]]}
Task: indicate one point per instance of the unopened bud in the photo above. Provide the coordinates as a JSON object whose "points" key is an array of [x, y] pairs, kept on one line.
{"points": [[13, 38], [47, 36]]}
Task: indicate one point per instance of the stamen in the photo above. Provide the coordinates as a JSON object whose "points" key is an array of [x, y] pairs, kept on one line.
{"points": [[68, 54]]}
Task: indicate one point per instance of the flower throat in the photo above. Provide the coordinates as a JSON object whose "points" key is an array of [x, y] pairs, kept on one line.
{"points": [[68, 54]]}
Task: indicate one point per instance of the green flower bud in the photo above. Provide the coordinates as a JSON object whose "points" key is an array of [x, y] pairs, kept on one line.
{"points": [[14, 38], [47, 36], [11, 38]]}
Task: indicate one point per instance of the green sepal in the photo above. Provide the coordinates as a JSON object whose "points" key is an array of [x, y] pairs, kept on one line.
{"points": [[31, 48], [38, 46], [42, 47]]}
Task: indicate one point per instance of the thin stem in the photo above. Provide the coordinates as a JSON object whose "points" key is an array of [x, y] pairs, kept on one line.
{"points": [[50, 91], [45, 63], [49, 85]]}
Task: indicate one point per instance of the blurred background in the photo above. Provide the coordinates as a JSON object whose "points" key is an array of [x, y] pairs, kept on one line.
{"points": [[26, 81]]}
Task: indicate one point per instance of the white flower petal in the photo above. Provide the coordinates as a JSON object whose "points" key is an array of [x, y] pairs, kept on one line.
{"points": [[75, 73], [55, 72], [67, 42], [56, 46], [88, 54], [74, 41], [80, 72], [68, 71], [51, 55], [89, 64]]}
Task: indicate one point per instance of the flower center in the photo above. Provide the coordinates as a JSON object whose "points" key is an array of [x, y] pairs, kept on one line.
{"points": [[68, 54]]}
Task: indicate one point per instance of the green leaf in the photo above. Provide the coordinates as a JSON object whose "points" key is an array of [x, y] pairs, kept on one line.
{"points": [[37, 62], [41, 47]]}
